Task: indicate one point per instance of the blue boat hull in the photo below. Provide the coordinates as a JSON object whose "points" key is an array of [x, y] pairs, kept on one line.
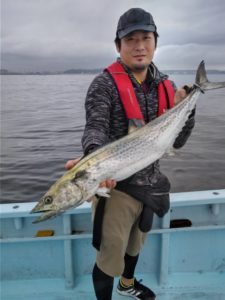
{"points": [[183, 262]]}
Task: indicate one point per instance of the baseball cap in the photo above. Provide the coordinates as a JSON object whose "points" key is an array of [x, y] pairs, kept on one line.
{"points": [[135, 19]]}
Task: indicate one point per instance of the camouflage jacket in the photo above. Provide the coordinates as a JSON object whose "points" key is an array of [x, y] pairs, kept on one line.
{"points": [[106, 120]]}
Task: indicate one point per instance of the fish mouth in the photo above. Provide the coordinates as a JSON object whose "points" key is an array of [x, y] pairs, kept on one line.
{"points": [[40, 209], [49, 214], [36, 211], [45, 213]]}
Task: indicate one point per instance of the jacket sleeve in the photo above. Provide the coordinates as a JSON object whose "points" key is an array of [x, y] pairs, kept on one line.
{"points": [[186, 131], [97, 107]]}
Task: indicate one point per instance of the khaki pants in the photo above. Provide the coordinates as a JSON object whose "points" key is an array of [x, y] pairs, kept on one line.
{"points": [[120, 232]]}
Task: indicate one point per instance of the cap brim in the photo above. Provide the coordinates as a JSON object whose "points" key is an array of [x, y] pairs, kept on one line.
{"points": [[123, 33]]}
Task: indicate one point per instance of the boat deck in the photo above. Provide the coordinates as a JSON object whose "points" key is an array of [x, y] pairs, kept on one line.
{"points": [[180, 260], [180, 287]]}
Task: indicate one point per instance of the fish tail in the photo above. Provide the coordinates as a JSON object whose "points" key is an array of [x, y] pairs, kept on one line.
{"points": [[202, 81]]}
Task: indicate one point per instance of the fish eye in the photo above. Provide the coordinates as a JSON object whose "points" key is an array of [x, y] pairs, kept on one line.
{"points": [[48, 200]]}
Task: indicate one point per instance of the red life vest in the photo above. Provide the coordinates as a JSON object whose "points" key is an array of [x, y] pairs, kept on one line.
{"points": [[128, 97]]}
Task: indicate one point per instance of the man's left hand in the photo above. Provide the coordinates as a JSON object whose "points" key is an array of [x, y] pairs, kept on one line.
{"points": [[181, 94]]}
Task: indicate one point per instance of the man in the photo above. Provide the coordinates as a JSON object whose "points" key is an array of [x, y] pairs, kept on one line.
{"points": [[127, 215]]}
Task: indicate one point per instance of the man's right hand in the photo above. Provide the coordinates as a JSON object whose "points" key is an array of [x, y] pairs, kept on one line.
{"points": [[109, 183]]}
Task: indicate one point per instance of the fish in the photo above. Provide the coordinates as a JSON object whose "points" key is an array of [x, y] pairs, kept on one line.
{"points": [[122, 158]]}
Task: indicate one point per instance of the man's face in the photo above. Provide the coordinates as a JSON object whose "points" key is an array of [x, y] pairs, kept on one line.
{"points": [[137, 50]]}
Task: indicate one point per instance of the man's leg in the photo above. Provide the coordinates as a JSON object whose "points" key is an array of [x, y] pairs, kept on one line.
{"points": [[127, 277], [103, 284], [128, 285], [121, 212]]}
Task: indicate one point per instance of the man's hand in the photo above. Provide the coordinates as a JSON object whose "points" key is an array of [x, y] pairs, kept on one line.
{"points": [[181, 93], [109, 183], [71, 163]]}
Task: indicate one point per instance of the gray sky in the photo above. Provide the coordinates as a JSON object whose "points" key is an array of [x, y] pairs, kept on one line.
{"points": [[55, 35]]}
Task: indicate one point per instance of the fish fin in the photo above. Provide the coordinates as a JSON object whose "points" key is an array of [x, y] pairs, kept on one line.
{"points": [[134, 124], [83, 174], [202, 82], [103, 192], [201, 76], [170, 153]]}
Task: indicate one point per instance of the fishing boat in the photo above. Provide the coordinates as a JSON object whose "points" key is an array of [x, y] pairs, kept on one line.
{"points": [[183, 257]]}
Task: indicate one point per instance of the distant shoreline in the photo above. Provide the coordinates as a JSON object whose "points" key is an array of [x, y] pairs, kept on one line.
{"points": [[96, 71]]}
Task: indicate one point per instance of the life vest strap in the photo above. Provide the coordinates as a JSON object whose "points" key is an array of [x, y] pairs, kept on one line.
{"points": [[128, 96], [165, 96], [126, 91]]}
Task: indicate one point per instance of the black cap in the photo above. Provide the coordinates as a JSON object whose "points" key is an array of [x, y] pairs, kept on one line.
{"points": [[135, 19]]}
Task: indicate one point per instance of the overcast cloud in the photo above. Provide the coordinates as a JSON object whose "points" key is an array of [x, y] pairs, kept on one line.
{"points": [[55, 35]]}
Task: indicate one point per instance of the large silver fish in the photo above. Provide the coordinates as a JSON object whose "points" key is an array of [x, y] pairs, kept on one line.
{"points": [[122, 158]]}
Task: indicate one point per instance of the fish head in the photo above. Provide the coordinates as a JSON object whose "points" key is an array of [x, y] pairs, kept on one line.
{"points": [[61, 196]]}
